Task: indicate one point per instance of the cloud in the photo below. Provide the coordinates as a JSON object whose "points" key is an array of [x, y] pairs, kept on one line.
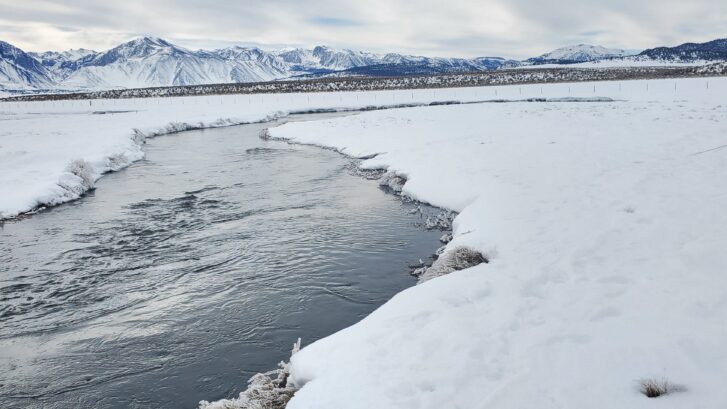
{"points": [[509, 28], [335, 22]]}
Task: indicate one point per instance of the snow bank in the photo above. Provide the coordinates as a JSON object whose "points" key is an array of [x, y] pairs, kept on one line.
{"points": [[48, 158], [603, 224]]}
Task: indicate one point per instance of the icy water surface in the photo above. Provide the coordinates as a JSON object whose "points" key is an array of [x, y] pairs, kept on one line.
{"points": [[185, 274]]}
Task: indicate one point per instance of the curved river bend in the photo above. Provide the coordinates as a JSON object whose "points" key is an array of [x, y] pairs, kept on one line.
{"points": [[188, 272]]}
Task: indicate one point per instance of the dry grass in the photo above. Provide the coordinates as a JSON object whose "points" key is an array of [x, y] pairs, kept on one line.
{"points": [[653, 388]]}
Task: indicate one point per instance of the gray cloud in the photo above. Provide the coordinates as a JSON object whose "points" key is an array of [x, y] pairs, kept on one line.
{"points": [[510, 28]]}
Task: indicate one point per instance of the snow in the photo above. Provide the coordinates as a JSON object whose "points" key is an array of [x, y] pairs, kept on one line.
{"points": [[603, 223], [583, 52]]}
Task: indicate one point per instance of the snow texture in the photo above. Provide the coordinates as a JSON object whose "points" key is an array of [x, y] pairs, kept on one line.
{"points": [[603, 224]]}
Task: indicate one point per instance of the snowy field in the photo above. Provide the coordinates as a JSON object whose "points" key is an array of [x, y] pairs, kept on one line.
{"points": [[603, 222], [53, 151], [605, 228]]}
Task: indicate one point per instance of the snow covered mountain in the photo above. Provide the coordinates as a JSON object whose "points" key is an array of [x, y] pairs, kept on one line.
{"points": [[322, 60], [715, 50], [21, 71], [61, 64], [393, 66], [578, 53], [154, 62]]}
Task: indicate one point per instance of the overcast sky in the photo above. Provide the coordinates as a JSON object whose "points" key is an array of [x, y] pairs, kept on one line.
{"points": [[514, 28]]}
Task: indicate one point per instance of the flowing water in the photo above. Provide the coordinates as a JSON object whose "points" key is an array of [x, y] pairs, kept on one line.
{"points": [[183, 275]]}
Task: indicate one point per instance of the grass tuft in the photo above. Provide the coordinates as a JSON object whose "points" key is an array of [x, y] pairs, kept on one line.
{"points": [[653, 388]]}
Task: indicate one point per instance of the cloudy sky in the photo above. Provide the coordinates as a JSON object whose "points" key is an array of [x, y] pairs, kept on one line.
{"points": [[510, 28]]}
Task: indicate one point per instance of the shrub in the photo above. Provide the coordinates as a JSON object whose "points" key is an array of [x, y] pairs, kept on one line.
{"points": [[456, 259], [84, 171], [268, 390], [653, 388]]}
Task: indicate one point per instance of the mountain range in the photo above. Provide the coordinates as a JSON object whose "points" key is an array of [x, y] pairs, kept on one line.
{"points": [[153, 62]]}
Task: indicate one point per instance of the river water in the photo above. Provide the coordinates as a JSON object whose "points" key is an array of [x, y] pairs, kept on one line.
{"points": [[183, 275]]}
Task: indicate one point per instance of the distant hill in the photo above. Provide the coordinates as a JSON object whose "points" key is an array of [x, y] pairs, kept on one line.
{"points": [[577, 54], [715, 50]]}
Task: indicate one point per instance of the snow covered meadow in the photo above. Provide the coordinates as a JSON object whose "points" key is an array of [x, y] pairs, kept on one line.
{"points": [[53, 151], [603, 223]]}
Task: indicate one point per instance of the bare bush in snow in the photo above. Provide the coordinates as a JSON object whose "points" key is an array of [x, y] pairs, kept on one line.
{"points": [[83, 170], [269, 390], [442, 221], [457, 259], [265, 134], [653, 387], [392, 181], [117, 162], [368, 174], [139, 137]]}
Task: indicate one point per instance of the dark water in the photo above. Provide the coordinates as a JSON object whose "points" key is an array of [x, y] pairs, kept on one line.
{"points": [[188, 272]]}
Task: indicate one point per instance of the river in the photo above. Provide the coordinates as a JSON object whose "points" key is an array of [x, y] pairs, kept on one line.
{"points": [[186, 273]]}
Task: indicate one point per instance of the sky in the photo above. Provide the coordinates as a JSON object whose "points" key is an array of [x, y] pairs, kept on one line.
{"points": [[464, 28]]}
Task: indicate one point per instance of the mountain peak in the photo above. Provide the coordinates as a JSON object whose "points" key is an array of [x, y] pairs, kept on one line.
{"points": [[7, 48], [578, 53], [150, 40], [140, 47]]}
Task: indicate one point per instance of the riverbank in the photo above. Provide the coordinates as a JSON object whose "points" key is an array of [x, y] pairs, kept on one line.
{"points": [[52, 152], [602, 223]]}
